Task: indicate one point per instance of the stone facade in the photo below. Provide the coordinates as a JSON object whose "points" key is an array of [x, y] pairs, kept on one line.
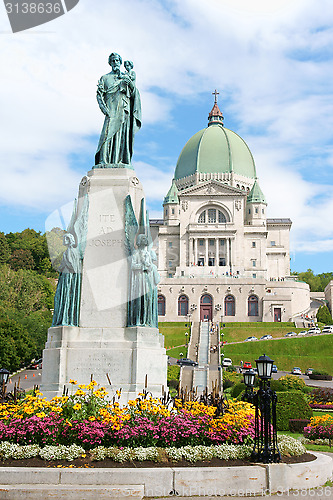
{"points": [[219, 254]]}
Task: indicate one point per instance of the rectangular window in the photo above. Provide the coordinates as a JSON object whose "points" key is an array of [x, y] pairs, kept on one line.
{"points": [[211, 215], [253, 244], [254, 263], [222, 243], [166, 211], [263, 210], [182, 273], [201, 242], [272, 243], [169, 275], [249, 210], [170, 243], [211, 242], [173, 211], [170, 263], [257, 210], [254, 276], [222, 261]]}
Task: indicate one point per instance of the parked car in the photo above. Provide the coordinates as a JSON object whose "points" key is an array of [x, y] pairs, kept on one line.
{"points": [[296, 371], [291, 334], [36, 364], [314, 330], [308, 371], [226, 362], [250, 339], [327, 329], [302, 333], [247, 365], [274, 369], [186, 362], [266, 337]]}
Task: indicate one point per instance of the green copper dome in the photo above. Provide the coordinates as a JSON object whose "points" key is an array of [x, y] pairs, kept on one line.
{"points": [[215, 149], [256, 195], [172, 196]]}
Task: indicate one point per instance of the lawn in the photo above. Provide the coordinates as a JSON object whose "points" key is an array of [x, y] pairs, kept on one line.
{"points": [[235, 332], [174, 334], [305, 352]]}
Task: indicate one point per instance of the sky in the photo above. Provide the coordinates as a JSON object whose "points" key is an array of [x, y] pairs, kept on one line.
{"points": [[270, 61]]}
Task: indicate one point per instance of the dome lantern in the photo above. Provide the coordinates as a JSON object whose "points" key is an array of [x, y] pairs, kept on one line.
{"points": [[215, 116]]}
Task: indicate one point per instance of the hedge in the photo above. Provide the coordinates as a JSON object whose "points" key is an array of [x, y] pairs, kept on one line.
{"points": [[298, 424], [291, 405]]}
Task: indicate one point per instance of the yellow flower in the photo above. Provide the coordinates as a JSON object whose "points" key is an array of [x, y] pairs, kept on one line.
{"points": [[77, 406], [74, 382], [41, 415], [79, 393]]}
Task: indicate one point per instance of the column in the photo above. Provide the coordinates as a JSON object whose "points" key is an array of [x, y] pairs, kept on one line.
{"points": [[217, 254], [228, 255], [196, 251], [206, 258], [190, 252]]}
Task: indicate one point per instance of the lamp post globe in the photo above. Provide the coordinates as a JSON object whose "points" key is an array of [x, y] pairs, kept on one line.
{"points": [[249, 378], [264, 367], [4, 374]]}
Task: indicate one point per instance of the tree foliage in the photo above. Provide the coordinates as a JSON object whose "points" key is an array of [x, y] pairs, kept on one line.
{"points": [[317, 282], [324, 315]]}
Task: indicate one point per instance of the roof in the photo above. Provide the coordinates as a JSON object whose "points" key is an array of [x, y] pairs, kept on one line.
{"points": [[256, 195], [172, 196], [215, 149], [279, 221]]}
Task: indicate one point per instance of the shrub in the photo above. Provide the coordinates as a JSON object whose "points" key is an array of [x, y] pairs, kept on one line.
{"points": [[291, 404], [317, 375], [237, 389], [173, 372], [231, 378], [321, 395], [277, 386], [298, 424], [324, 315], [292, 383]]}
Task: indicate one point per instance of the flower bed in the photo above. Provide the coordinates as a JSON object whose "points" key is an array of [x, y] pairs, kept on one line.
{"points": [[320, 428], [88, 419], [321, 406]]}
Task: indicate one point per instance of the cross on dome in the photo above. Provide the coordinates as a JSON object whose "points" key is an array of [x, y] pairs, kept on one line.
{"points": [[215, 93]]}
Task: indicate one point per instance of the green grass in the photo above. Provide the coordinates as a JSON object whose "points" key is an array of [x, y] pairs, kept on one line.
{"points": [[174, 334], [175, 353], [305, 352], [235, 332]]}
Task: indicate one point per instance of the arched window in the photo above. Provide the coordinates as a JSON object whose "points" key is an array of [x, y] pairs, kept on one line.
{"points": [[161, 305], [182, 305], [252, 304], [206, 299], [229, 305], [212, 216]]}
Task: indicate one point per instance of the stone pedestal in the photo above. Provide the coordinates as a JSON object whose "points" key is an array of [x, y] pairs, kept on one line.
{"points": [[102, 343]]}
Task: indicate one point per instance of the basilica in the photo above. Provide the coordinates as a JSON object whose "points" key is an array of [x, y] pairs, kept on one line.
{"points": [[219, 257]]}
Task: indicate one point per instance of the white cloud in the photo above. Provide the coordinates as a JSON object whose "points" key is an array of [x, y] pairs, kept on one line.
{"points": [[271, 60]]}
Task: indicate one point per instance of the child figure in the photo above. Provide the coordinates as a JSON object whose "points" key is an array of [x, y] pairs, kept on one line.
{"points": [[129, 68]]}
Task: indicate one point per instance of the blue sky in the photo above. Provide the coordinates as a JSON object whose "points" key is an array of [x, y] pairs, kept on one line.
{"points": [[271, 62]]}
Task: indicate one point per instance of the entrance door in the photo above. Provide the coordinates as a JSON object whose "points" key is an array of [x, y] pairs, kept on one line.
{"points": [[206, 308], [277, 313]]}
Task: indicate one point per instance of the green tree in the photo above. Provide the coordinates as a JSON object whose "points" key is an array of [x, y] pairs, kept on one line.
{"points": [[32, 241], [324, 315], [21, 259], [17, 347], [4, 249], [317, 282]]}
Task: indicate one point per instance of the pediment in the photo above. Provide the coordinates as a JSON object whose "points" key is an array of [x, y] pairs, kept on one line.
{"points": [[212, 188]]}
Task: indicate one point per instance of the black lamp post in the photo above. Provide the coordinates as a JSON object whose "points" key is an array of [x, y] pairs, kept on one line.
{"points": [[265, 441], [4, 374], [249, 378]]}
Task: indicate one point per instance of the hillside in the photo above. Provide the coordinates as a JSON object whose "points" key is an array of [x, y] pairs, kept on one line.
{"points": [[315, 352]]}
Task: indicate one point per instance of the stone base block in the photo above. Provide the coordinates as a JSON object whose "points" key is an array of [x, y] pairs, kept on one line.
{"points": [[68, 492], [127, 357]]}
